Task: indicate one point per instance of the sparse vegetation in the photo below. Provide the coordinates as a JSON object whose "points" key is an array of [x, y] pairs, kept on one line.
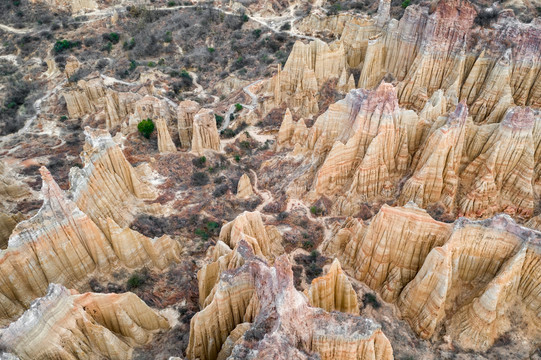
{"points": [[372, 300], [200, 179], [63, 45], [405, 3]]}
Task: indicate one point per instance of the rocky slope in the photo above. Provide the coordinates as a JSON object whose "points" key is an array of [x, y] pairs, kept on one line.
{"points": [[67, 325], [325, 180], [476, 277]]}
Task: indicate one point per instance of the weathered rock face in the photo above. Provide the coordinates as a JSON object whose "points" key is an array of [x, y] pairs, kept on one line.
{"points": [[7, 224], [205, 134], [11, 188], [474, 276], [165, 143], [107, 185], [333, 292], [283, 324], [66, 325], [185, 114], [61, 244], [366, 148], [244, 188], [265, 241]]}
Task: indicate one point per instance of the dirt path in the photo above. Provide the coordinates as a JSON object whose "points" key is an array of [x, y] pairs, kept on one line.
{"points": [[265, 194]]}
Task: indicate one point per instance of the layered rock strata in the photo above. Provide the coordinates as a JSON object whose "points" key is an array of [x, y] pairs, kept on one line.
{"points": [[67, 325], [204, 132], [476, 277], [61, 244], [366, 148], [244, 187], [280, 318], [107, 185], [333, 292]]}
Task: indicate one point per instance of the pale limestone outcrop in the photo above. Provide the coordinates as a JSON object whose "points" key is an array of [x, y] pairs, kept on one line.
{"points": [[87, 98], [107, 185], [150, 107], [287, 128], [333, 292], [72, 65], [62, 244], [204, 133], [185, 114], [165, 143], [265, 241], [475, 276], [244, 188], [266, 297], [67, 325]]}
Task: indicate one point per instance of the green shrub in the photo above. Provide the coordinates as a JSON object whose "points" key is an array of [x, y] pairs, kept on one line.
{"points": [[151, 64], [107, 47], [406, 3], [112, 37], [245, 18], [199, 162], [62, 45], [238, 107], [228, 133], [256, 33], [210, 50], [133, 65], [219, 120], [146, 127], [168, 37], [371, 299], [63, 118], [171, 3], [128, 45], [316, 210], [237, 158], [135, 281], [202, 234]]}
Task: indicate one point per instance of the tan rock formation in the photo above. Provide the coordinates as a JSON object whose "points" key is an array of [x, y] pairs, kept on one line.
{"points": [[265, 241], [67, 325], [107, 185], [244, 188], [185, 114], [72, 65], [281, 319], [62, 244], [165, 143], [477, 276], [333, 292], [11, 188], [205, 134]]}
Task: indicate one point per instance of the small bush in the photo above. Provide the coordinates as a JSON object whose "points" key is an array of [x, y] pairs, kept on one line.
{"points": [[219, 120], [256, 33], [220, 190], [171, 3], [211, 50], [200, 179], [372, 300], [63, 118], [135, 281], [128, 45], [406, 3], [168, 37], [245, 18], [202, 234], [228, 133], [286, 26], [199, 162], [316, 210], [238, 107], [63, 45], [237, 158], [112, 37], [146, 127]]}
